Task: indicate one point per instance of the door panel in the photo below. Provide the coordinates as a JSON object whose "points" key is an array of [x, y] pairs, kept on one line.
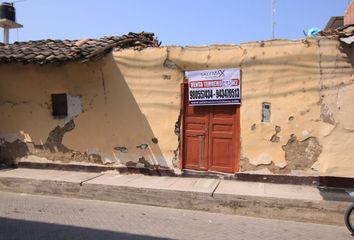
{"points": [[221, 151], [222, 154], [221, 128], [195, 139], [196, 152], [222, 138], [195, 136]]}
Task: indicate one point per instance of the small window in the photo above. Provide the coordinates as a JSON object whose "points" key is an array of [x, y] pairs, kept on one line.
{"points": [[59, 105], [265, 112]]}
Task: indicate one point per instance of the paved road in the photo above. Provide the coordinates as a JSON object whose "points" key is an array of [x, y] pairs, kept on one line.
{"points": [[42, 217]]}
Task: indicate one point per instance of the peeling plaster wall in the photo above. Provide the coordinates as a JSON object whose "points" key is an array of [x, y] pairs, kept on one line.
{"points": [[155, 84], [285, 73], [337, 108], [108, 116], [130, 105], [273, 71]]}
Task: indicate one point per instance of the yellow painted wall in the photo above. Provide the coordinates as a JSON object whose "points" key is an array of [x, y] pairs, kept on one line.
{"points": [[285, 73], [130, 97], [156, 89], [110, 117], [337, 98]]}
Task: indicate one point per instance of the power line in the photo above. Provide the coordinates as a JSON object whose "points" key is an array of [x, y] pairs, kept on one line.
{"points": [[273, 18], [18, 1]]}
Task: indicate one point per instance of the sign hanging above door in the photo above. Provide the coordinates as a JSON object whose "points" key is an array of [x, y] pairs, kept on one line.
{"points": [[214, 87]]}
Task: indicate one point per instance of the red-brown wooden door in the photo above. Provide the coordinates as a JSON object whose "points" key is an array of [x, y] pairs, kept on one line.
{"points": [[211, 137]]}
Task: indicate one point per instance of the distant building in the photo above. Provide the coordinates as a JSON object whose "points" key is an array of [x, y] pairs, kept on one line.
{"points": [[339, 21], [349, 14], [334, 23]]}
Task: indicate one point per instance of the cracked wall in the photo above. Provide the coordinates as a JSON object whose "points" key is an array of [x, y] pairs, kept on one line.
{"points": [[285, 73], [299, 156], [131, 105], [273, 71], [102, 115], [337, 108], [155, 83]]}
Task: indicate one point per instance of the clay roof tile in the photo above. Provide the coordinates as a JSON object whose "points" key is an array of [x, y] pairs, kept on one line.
{"points": [[48, 51]]}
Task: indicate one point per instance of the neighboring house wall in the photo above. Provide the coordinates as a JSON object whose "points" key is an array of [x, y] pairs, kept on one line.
{"points": [[286, 74], [349, 14]]}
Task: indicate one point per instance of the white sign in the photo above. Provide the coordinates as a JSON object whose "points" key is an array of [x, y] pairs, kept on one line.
{"points": [[214, 87]]}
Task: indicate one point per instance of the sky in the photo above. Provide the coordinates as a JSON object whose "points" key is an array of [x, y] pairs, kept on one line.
{"points": [[175, 22]]}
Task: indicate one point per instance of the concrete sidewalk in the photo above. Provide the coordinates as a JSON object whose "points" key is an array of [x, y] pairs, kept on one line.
{"points": [[279, 201]]}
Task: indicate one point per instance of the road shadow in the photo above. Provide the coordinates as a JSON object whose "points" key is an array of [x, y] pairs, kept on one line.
{"points": [[336, 194], [13, 229]]}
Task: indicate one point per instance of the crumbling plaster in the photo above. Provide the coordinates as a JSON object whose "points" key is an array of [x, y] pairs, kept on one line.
{"points": [[155, 85], [288, 74], [109, 115], [273, 71], [337, 95], [131, 98]]}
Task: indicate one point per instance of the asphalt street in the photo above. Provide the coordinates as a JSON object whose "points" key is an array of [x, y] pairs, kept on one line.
{"points": [[25, 216]]}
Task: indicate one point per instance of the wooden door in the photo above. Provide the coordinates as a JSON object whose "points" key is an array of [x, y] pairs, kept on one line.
{"points": [[223, 138], [211, 137], [196, 122]]}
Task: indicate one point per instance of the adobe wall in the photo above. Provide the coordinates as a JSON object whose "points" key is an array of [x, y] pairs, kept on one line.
{"points": [[337, 108], [287, 74], [126, 107], [103, 117]]}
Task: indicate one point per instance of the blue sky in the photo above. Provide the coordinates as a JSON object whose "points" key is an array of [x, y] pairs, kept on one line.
{"points": [[175, 22]]}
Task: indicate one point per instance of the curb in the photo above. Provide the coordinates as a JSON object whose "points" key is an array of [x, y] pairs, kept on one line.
{"points": [[320, 181], [322, 212]]}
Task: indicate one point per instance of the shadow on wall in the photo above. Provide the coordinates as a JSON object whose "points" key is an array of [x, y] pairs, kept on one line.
{"points": [[10, 151], [135, 144], [348, 49], [22, 229], [111, 127], [308, 70], [336, 193]]}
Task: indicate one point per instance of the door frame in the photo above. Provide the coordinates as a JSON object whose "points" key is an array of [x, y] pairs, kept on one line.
{"points": [[236, 164]]}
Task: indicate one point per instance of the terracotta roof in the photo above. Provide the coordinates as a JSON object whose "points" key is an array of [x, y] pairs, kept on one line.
{"points": [[334, 22], [59, 51], [343, 31]]}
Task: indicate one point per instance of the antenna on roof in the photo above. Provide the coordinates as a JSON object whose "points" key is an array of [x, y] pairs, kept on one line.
{"points": [[273, 19], [8, 19]]}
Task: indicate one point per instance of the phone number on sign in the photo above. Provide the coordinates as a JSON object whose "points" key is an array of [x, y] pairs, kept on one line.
{"points": [[210, 94]]}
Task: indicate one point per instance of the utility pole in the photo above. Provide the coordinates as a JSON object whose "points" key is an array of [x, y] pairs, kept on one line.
{"points": [[273, 19]]}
